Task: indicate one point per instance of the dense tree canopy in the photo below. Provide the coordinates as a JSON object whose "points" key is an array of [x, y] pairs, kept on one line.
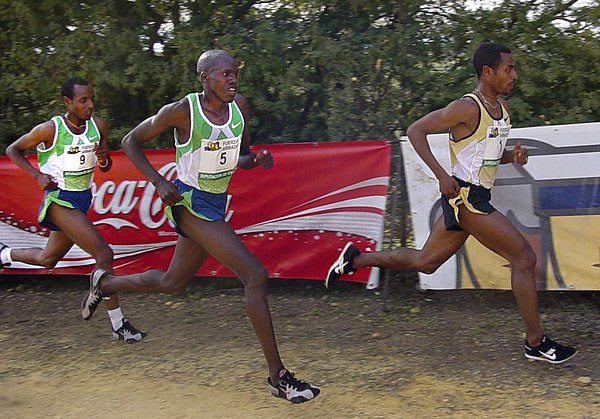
{"points": [[313, 70]]}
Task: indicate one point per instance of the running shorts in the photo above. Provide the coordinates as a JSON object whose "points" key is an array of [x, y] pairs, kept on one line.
{"points": [[79, 200], [475, 198], [204, 205]]}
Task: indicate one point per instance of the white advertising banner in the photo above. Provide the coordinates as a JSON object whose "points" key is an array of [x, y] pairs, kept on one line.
{"points": [[554, 201]]}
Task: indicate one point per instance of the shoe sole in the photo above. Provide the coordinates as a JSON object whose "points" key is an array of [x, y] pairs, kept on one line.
{"points": [[116, 336], [85, 297], [296, 400], [334, 265], [537, 358]]}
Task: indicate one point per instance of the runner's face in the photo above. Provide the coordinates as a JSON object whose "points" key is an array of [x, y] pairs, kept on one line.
{"points": [[82, 104], [505, 75], [221, 80]]}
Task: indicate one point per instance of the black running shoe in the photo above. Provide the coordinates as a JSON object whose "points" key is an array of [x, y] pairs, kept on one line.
{"points": [[2, 247], [549, 351], [293, 389], [94, 295], [128, 333], [343, 264]]}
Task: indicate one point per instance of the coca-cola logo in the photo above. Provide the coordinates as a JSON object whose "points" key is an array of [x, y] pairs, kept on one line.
{"points": [[122, 198]]}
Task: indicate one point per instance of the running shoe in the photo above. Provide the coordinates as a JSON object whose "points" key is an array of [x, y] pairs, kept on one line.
{"points": [[549, 351], [94, 295], [128, 333], [292, 389], [2, 247], [343, 265]]}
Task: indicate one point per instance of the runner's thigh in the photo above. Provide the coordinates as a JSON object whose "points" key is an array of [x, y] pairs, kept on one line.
{"points": [[219, 240], [495, 232], [441, 243], [187, 259], [77, 227], [58, 245]]}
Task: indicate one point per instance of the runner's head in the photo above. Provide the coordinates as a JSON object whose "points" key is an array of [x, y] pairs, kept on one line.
{"points": [[78, 96], [488, 55], [218, 71], [495, 67]]}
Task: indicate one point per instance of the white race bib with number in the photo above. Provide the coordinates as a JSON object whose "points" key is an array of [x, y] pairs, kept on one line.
{"points": [[218, 156], [79, 158], [494, 145]]}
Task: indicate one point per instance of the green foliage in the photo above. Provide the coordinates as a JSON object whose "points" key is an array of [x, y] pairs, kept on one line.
{"points": [[313, 70]]}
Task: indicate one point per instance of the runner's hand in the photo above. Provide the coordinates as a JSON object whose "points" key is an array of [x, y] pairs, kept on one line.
{"points": [[264, 158], [101, 153], [46, 181], [520, 155], [167, 192], [449, 187]]}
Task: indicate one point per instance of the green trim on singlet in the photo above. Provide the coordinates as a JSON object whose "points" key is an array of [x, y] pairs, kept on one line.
{"points": [[52, 160], [205, 135]]}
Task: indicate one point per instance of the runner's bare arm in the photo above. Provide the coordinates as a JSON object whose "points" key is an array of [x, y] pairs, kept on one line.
{"points": [[40, 134], [247, 159], [101, 151], [174, 115], [454, 114]]}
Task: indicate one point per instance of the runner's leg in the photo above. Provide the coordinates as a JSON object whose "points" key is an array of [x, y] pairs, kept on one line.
{"points": [[187, 259], [79, 229], [438, 248], [498, 234], [56, 248], [220, 241]]}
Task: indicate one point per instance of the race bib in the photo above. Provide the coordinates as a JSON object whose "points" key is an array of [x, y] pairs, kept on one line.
{"points": [[217, 156], [79, 159], [494, 144]]}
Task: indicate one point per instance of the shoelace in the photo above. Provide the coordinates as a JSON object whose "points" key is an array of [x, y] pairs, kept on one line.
{"points": [[548, 345], [96, 300], [293, 382], [554, 346], [127, 327]]}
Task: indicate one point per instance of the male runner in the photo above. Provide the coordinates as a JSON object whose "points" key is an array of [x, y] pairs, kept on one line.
{"points": [[211, 140], [68, 148], [479, 125]]}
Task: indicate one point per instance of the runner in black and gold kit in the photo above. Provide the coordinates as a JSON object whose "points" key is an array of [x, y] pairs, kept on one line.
{"points": [[211, 140], [68, 148], [479, 125]]}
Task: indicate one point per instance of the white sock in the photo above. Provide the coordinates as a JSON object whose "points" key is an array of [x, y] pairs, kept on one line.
{"points": [[5, 256], [116, 317]]}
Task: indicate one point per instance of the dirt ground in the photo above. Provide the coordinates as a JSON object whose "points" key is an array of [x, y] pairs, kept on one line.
{"points": [[430, 355]]}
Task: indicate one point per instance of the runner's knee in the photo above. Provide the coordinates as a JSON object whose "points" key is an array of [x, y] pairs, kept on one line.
{"points": [[104, 256], [429, 268], [428, 264], [173, 286], [525, 259], [49, 261], [257, 277]]}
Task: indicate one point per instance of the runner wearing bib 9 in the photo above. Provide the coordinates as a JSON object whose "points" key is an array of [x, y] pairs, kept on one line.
{"points": [[68, 149]]}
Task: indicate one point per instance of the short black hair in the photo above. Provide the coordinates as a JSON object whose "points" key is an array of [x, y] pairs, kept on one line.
{"points": [[209, 59], [489, 54], [67, 88]]}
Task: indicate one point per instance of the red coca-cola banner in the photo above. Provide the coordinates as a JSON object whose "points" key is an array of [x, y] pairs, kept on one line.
{"points": [[295, 217]]}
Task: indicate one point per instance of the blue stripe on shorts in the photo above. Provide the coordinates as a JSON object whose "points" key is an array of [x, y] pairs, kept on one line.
{"points": [[79, 200], [204, 205]]}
